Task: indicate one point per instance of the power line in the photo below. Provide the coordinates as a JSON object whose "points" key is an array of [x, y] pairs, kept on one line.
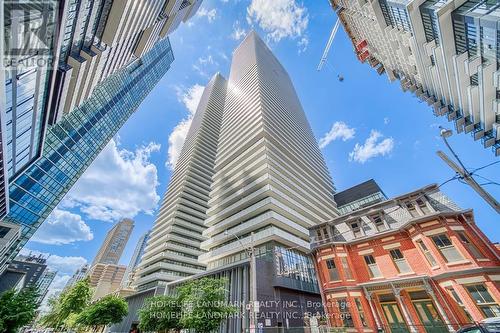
{"points": [[489, 180], [485, 166]]}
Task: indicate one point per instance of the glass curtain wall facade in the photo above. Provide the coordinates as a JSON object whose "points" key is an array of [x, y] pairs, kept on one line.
{"points": [[25, 76], [72, 144]]}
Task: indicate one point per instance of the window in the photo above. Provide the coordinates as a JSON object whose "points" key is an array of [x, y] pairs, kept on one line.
{"points": [[346, 268], [471, 247], [484, 301], [428, 255], [333, 270], [319, 235], [345, 314], [448, 251], [4, 231], [400, 261], [459, 301], [356, 229], [378, 221], [422, 205], [372, 266], [361, 313], [411, 208]]}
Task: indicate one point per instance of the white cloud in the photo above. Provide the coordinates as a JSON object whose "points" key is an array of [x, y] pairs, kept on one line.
{"points": [[279, 18], [119, 183], [371, 148], [209, 14], [63, 227], [238, 32], [190, 98], [302, 44], [203, 62], [339, 130]]}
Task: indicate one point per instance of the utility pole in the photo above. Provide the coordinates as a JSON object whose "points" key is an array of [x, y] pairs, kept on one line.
{"points": [[464, 173]]}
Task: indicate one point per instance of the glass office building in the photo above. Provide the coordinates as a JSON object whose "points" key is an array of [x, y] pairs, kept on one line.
{"points": [[73, 143], [25, 72]]}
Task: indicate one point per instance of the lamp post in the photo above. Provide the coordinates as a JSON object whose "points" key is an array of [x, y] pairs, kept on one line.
{"points": [[463, 172], [253, 279]]}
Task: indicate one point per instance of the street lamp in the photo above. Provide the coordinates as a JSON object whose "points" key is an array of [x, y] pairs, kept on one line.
{"points": [[253, 278], [445, 133]]}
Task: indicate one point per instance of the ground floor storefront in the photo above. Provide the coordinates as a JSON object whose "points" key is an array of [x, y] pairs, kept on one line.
{"points": [[413, 305]]}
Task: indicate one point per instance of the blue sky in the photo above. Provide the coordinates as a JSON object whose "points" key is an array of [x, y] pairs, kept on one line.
{"points": [[376, 130]]}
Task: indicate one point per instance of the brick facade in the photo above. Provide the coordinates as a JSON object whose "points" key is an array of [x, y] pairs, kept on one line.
{"points": [[433, 271]]}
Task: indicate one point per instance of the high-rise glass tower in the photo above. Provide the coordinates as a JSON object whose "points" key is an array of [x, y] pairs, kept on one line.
{"points": [[27, 51], [44, 283], [72, 144], [113, 245], [174, 244], [135, 260]]}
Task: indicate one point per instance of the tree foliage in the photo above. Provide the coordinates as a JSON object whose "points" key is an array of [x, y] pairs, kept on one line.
{"points": [[160, 313], [204, 304], [199, 305], [69, 303], [108, 310], [17, 309]]}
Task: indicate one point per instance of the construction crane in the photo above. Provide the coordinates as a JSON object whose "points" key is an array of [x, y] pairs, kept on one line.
{"points": [[328, 45]]}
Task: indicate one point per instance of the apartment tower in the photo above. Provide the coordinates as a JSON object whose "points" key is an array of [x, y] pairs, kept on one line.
{"points": [[446, 52], [270, 177], [174, 244], [112, 248], [270, 185], [101, 36]]}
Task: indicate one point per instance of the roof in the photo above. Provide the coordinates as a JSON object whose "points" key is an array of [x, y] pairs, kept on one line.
{"points": [[357, 192]]}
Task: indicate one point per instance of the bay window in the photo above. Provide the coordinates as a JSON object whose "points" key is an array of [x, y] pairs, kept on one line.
{"points": [[446, 248]]}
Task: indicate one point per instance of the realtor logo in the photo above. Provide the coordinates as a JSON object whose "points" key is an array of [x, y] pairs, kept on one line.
{"points": [[29, 30]]}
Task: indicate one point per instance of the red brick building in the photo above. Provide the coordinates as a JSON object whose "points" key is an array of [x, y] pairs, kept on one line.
{"points": [[414, 263]]}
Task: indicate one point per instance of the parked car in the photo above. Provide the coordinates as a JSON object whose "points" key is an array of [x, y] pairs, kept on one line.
{"points": [[489, 325]]}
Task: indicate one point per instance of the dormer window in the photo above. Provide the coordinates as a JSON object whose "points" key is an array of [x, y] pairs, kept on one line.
{"points": [[319, 236], [336, 235], [422, 205], [379, 222], [411, 208], [356, 229], [417, 206], [322, 234]]}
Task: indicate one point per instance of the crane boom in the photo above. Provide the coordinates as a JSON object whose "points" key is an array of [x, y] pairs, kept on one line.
{"points": [[328, 45]]}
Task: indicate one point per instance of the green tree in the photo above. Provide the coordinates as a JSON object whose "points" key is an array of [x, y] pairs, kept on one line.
{"points": [[108, 310], [204, 304], [160, 314], [17, 309], [72, 301]]}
